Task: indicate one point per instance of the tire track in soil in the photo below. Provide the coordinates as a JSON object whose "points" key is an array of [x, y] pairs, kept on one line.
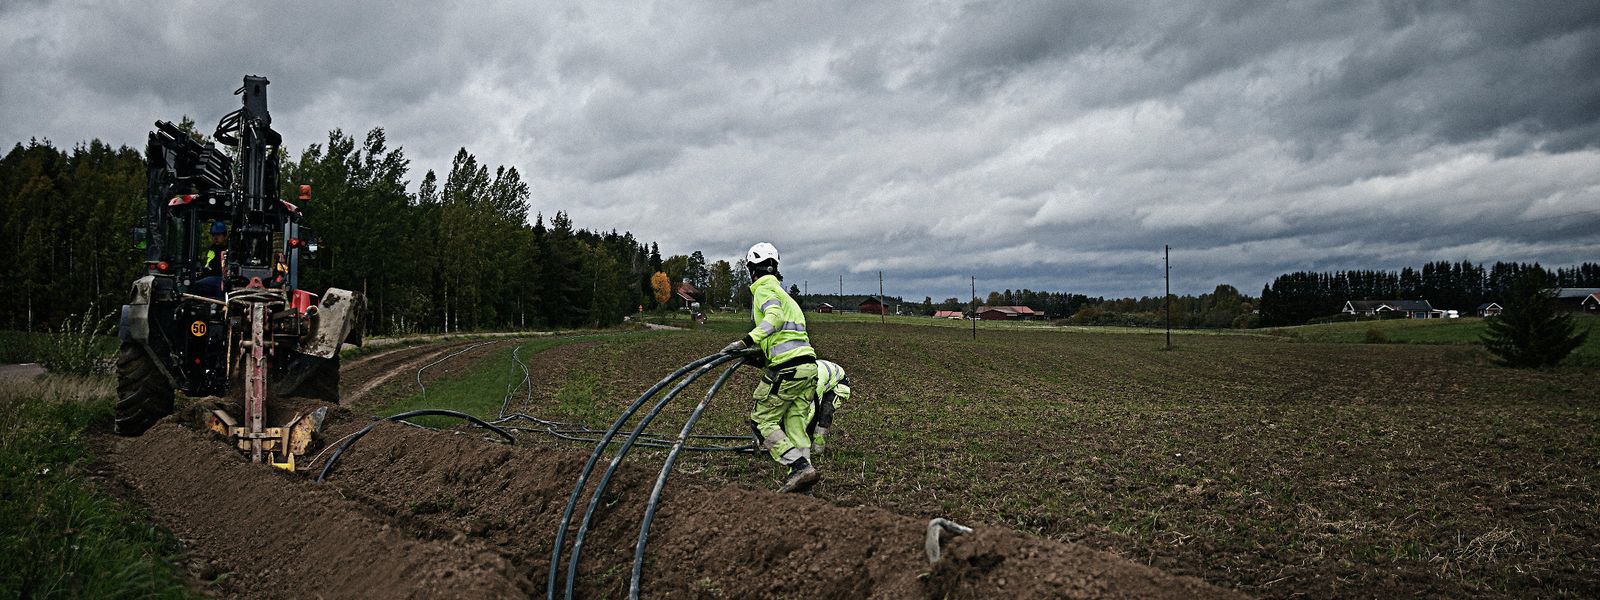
{"points": [[412, 513], [398, 367]]}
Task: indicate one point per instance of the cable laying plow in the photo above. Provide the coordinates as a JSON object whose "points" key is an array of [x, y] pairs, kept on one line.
{"points": [[212, 320]]}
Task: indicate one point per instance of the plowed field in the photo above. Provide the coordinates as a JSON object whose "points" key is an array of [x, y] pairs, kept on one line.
{"points": [[413, 513]]}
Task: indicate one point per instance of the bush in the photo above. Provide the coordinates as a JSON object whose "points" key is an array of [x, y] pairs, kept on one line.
{"points": [[22, 346], [76, 347], [1376, 336]]}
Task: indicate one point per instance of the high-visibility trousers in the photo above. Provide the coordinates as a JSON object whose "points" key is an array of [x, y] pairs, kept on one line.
{"points": [[783, 411]]}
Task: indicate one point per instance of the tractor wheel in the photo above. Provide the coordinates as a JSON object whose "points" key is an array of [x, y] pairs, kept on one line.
{"points": [[323, 381], [143, 393]]}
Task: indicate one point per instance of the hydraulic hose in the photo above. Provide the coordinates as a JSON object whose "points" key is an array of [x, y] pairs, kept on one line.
{"points": [[352, 438], [594, 457], [661, 482], [616, 461]]}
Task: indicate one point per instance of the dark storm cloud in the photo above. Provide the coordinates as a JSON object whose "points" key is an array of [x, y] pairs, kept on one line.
{"points": [[1040, 145], [1464, 73]]}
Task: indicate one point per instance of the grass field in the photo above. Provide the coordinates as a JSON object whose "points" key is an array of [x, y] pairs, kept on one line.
{"points": [[61, 536], [481, 388], [1274, 466], [1464, 331]]}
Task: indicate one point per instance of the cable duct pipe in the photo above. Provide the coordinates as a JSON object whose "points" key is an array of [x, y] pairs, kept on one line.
{"points": [[594, 457], [661, 481], [605, 479]]}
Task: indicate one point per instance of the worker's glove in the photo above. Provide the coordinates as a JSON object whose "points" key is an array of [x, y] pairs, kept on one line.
{"points": [[736, 347]]}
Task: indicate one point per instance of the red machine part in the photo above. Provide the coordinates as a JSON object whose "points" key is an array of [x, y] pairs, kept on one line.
{"points": [[303, 301]]}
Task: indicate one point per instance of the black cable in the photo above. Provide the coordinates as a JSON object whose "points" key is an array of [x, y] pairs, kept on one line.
{"points": [[588, 467], [616, 461], [326, 467], [661, 482], [424, 388]]}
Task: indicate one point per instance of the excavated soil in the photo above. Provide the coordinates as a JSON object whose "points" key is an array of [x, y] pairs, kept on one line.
{"points": [[261, 533], [412, 513]]}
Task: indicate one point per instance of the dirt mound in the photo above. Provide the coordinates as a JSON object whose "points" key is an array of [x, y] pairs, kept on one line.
{"points": [[409, 512], [276, 535]]}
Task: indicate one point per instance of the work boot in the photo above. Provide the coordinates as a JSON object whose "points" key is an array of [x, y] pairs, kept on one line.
{"points": [[801, 477]]}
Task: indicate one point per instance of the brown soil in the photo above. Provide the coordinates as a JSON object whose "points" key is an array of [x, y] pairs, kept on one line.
{"points": [[267, 534], [411, 513], [415, 513]]}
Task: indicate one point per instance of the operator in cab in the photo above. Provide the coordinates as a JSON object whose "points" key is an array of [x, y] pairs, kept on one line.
{"points": [[210, 284]]}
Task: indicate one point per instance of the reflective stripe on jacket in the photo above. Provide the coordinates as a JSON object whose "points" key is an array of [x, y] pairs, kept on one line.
{"points": [[780, 328], [829, 374]]}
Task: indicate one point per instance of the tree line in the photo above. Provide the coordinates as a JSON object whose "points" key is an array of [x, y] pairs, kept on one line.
{"points": [[1295, 298], [1223, 307], [460, 253], [65, 221]]}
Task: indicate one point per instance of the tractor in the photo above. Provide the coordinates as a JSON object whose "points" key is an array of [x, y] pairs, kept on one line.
{"points": [[219, 311]]}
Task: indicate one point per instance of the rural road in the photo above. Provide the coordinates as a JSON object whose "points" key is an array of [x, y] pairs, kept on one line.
{"points": [[24, 371]]}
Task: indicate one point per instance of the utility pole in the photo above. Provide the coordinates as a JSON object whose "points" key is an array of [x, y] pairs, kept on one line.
{"points": [[883, 318], [1166, 252], [974, 307]]}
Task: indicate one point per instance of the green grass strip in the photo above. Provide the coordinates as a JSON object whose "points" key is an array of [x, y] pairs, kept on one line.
{"points": [[480, 389], [60, 536]]}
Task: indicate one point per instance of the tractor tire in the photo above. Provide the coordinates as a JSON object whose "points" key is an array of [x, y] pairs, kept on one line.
{"points": [[322, 383], [143, 393]]}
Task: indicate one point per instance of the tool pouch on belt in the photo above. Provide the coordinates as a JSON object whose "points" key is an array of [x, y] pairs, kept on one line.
{"points": [[776, 377]]}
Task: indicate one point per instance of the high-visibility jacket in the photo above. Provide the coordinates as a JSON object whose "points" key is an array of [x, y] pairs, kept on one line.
{"points": [[780, 329], [829, 377], [213, 264]]}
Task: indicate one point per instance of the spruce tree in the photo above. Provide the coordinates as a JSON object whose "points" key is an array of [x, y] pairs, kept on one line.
{"points": [[1531, 332]]}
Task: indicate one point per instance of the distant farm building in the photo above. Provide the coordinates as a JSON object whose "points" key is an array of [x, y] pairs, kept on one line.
{"points": [[1006, 313], [1413, 309], [872, 306], [825, 307], [948, 314], [1573, 299], [1591, 303], [1488, 309], [687, 292]]}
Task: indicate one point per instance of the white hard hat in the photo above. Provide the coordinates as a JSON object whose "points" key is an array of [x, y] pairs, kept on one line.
{"points": [[761, 252]]}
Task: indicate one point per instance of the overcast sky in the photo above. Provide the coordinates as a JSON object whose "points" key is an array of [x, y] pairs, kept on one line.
{"points": [[1041, 145]]}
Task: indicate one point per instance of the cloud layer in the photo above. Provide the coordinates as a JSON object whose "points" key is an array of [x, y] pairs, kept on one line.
{"points": [[1031, 144]]}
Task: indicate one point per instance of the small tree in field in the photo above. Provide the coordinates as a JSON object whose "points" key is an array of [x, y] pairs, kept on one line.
{"points": [[1531, 332]]}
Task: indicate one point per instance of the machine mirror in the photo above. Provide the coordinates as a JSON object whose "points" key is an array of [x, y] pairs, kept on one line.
{"points": [[141, 238], [311, 247]]}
